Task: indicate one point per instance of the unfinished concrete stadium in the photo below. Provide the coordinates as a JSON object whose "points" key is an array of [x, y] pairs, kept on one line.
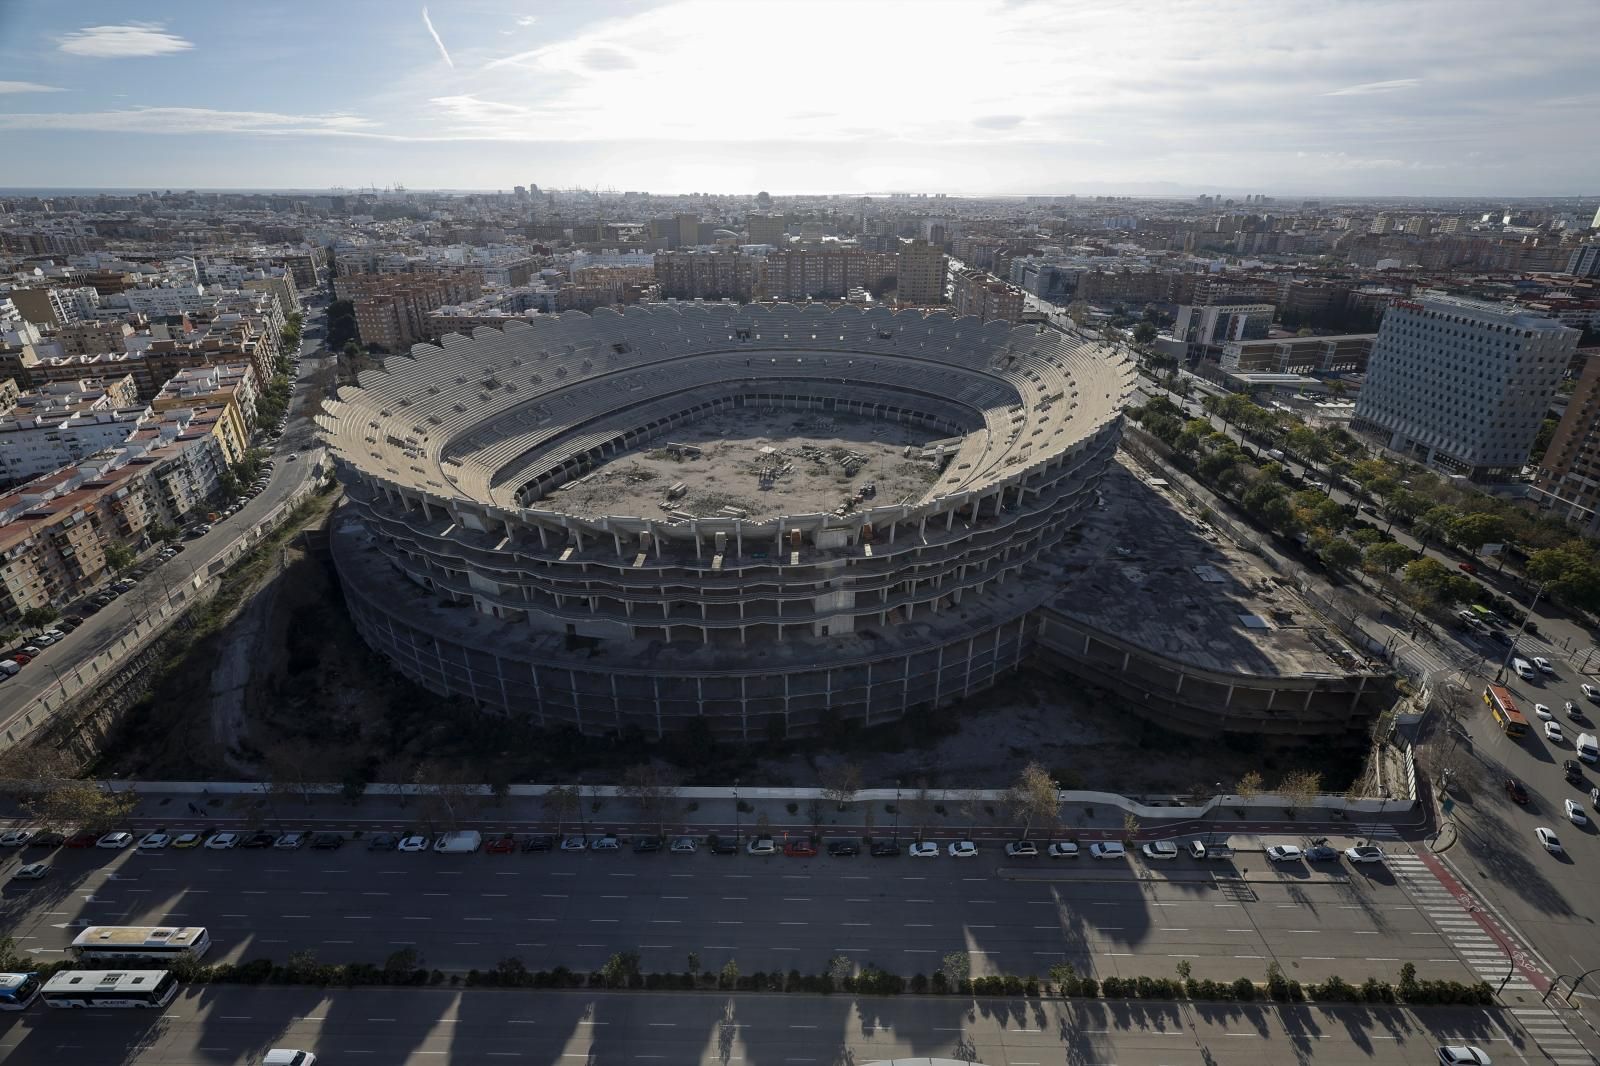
{"points": [[757, 515]]}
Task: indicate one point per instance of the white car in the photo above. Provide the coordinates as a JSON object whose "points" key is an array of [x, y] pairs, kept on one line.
{"points": [[762, 846], [290, 841], [683, 846], [1364, 853], [1551, 842], [1590, 693], [115, 841], [15, 838], [574, 843], [1543, 665], [1543, 712], [223, 841], [413, 843], [1285, 853], [963, 849], [923, 849], [1062, 850], [154, 841], [1108, 849], [1463, 1055], [605, 843], [1575, 813], [1022, 849], [1160, 850], [1552, 732], [31, 872]]}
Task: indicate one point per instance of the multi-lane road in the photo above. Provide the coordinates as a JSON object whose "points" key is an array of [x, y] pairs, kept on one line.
{"points": [[780, 913], [414, 1027]]}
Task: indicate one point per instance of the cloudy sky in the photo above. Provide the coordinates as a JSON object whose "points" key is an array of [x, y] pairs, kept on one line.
{"points": [[1371, 97]]}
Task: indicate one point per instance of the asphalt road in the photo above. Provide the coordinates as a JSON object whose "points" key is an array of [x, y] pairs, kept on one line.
{"points": [[105, 626], [576, 909], [214, 1027]]}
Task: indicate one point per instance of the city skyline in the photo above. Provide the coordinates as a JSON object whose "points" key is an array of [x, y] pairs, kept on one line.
{"points": [[969, 99]]}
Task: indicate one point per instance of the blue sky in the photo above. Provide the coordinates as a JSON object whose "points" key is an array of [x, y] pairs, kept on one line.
{"points": [[1464, 97]]}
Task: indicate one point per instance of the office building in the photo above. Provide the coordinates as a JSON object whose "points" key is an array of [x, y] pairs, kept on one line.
{"points": [[765, 229], [1585, 261], [1462, 385], [1206, 329], [920, 279]]}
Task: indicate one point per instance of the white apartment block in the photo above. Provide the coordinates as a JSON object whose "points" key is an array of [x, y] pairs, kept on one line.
{"points": [[1462, 385], [39, 443]]}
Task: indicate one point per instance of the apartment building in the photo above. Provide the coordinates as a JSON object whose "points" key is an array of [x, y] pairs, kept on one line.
{"points": [[707, 275], [1568, 478], [392, 309], [986, 296], [920, 278], [798, 274], [223, 385], [87, 338], [1462, 385], [765, 229]]}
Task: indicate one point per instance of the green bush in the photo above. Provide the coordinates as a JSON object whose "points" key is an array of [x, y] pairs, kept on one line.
{"points": [[919, 984], [1244, 990]]}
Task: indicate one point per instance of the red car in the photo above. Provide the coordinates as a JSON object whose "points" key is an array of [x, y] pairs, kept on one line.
{"points": [[22, 658], [1466, 568], [86, 838], [501, 845], [800, 849], [1515, 790]]}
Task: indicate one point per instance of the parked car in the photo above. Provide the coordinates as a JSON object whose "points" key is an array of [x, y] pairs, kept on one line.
{"points": [[762, 846], [223, 841], [1160, 850], [605, 843], [34, 871], [923, 849], [1022, 849], [723, 845], [683, 846], [1285, 853], [1062, 849], [963, 849], [800, 849], [1364, 853], [646, 845], [843, 849], [574, 843], [328, 841], [1108, 849], [187, 840], [83, 838], [15, 838], [1463, 1055], [115, 840], [539, 842], [885, 849], [382, 842], [1321, 853], [291, 841], [1466, 568], [415, 842], [154, 842], [259, 839], [1549, 840]]}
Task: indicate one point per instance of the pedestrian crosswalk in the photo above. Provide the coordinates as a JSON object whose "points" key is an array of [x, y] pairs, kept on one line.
{"points": [[1549, 1030], [1487, 956]]}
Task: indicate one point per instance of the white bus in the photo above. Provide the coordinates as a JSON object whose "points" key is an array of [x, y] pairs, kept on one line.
{"points": [[17, 990], [110, 988], [149, 943]]}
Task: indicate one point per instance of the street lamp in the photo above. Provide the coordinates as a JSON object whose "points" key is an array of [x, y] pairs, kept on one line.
{"points": [[897, 810], [736, 825], [1216, 797], [1511, 649]]}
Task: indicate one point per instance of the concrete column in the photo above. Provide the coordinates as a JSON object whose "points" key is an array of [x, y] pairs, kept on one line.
{"points": [[544, 536], [1229, 701], [1309, 693], [1127, 657]]}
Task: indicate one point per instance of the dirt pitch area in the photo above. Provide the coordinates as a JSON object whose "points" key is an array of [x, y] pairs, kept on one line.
{"points": [[759, 464]]}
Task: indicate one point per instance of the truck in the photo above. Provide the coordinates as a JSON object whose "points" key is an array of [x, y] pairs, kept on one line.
{"points": [[1588, 747], [459, 842]]}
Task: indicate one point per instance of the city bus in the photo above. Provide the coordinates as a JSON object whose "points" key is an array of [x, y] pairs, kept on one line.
{"points": [[1485, 615], [110, 988], [17, 990], [1507, 715], [140, 943]]}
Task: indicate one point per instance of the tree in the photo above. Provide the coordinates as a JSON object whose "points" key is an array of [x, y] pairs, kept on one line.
{"points": [[1144, 333], [840, 782], [1434, 524], [1034, 794], [1339, 553], [1248, 787], [1078, 311], [1386, 557], [653, 788], [956, 967], [840, 968], [1473, 531], [1299, 788], [730, 975], [563, 802], [401, 964], [35, 617], [1130, 827], [341, 324], [443, 794], [119, 556], [620, 969]]}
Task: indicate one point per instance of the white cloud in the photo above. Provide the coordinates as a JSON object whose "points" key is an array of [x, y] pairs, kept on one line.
{"points": [[428, 22], [27, 87], [1368, 88], [527, 20], [118, 42], [187, 120]]}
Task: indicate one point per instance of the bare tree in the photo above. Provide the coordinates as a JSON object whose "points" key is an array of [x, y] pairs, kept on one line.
{"points": [[293, 766], [1033, 795], [1248, 786], [444, 795], [1299, 788], [46, 780], [653, 788], [841, 782], [563, 802], [922, 807]]}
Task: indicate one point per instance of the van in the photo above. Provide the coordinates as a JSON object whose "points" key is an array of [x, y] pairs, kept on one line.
{"points": [[1198, 849], [284, 1056], [1523, 668], [1588, 748], [465, 840]]}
